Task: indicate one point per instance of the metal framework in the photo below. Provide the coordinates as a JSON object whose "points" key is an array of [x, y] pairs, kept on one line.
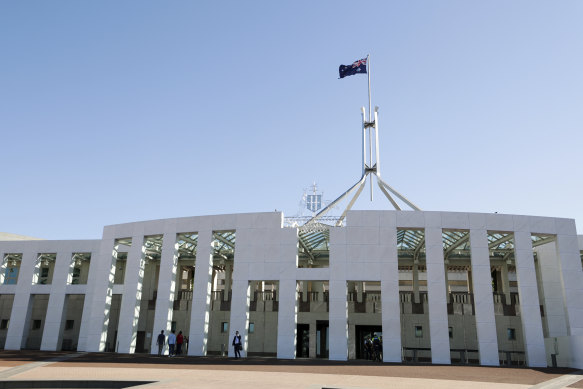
{"points": [[369, 168], [314, 245]]}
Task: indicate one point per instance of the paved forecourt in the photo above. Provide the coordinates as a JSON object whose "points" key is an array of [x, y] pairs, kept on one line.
{"points": [[214, 372]]}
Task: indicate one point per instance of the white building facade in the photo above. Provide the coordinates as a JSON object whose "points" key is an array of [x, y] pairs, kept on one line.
{"points": [[440, 287]]}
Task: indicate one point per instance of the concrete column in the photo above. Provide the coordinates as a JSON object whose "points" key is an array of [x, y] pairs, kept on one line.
{"points": [[166, 288], [416, 282], [351, 341], [228, 278], [201, 296], [571, 275], [21, 307], [287, 319], [82, 344], [484, 305], [318, 287], [288, 299], [101, 275], [438, 320], [130, 302], [338, 321], [27, 320], [359, 288], [505, 283], [239, 320], [552, 287], [313, 335], [253, 290], [52, 332], [304, 291], [469, 279], [390, 316], [338, 305], [446, 273], [534, 343], [215, 279]]}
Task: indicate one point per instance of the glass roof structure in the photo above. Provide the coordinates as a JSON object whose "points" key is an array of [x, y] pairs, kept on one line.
{"points": [[153, 247], [314, 241], [224, 244], [187, 245]]}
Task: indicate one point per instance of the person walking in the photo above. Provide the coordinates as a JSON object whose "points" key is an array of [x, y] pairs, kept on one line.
{"points": [[367, 348], [237, 345], [160, 342], [171, 344], [179, 341], [378, 349]]}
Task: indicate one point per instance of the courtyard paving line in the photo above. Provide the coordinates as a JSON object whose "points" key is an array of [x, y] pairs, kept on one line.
{"points": [[560, 382], [33, 365]]}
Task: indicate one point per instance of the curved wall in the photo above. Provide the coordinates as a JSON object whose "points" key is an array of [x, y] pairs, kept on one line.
{"points": [[364, 250]]}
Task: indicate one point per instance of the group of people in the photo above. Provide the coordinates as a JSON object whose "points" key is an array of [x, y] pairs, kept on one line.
{"points": [[175, 343], [373, 348]]}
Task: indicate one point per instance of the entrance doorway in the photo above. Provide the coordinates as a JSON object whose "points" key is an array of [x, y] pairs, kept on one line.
{"points": [[322, 347], [363, 332], [303, 341], [140, 342]]}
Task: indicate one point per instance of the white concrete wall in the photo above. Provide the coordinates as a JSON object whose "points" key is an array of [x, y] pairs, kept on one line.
{"points": [[567, 349], [364, 250], [54, 319]]}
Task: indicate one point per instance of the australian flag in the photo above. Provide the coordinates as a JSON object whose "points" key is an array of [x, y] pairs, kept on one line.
{"points": [[350, 70]]}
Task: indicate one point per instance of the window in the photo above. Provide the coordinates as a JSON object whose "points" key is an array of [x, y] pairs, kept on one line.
{"points": [[44, 275], [173, 326], [418, 331], [69, 325], [76, 275], [511, 333], [4, 324], [36, 324], [11, 275], [225, 326], [251, 328], [451, 332]]}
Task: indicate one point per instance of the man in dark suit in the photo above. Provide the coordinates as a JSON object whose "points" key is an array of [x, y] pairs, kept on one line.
{"points": [[237, 345], [160, 342]]}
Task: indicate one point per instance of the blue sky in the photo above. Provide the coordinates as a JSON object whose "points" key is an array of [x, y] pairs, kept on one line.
{"points": [[119, 111]]}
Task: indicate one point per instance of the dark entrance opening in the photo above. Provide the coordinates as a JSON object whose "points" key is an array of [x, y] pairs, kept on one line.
{"points": [[303, 341], [140, 342], [113, 347], [361, 333], [322, 339]]}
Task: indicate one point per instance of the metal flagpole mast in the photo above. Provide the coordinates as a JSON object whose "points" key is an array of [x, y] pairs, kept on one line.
{"points": [[369, 98], [367, 169], [369, 120]]}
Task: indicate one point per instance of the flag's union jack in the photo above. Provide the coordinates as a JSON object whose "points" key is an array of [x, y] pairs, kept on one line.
{"points": [[359, 63], [356, 67]]}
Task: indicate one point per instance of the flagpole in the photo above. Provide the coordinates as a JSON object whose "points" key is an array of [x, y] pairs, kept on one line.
{"points": [[369, 98], [367, 171], [369, 120]]}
